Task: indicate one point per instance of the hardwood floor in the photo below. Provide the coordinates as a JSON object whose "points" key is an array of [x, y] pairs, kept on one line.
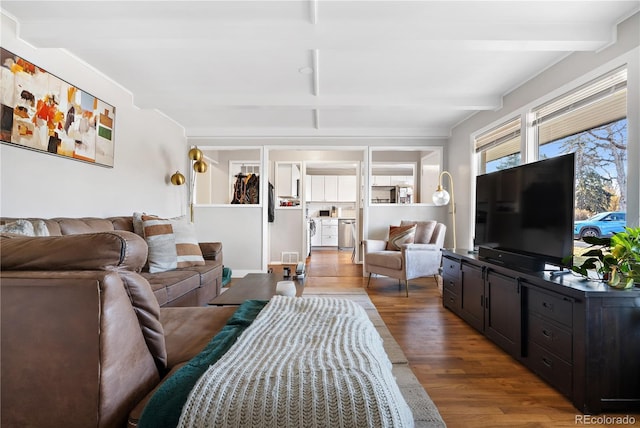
{"points": [[472, 381]]}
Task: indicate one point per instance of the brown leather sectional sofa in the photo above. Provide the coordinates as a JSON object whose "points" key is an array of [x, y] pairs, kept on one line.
{"points": [[191, 286], [83, 337]]}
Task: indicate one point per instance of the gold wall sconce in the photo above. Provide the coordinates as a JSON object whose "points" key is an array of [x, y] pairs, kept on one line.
{"points": [[177, 179]]}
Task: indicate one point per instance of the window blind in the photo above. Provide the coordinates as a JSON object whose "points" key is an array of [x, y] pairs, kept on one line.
{"points": [[501, 141], [601, 101]]}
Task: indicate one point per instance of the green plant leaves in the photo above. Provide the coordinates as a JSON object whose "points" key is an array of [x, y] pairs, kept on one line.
{"points": [[616, 259]]}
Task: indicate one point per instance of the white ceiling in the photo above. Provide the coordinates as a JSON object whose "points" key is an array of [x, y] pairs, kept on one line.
{"points": [[377, 68]]}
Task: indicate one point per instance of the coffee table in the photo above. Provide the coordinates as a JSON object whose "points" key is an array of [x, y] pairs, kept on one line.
{"points": [[259, 286]]}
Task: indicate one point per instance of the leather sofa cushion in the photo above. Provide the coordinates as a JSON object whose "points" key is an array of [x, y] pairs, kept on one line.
{"points": [[207, 272], [210, 273], [122, 223], [187, 332], [74, 226], [172, 284], [387, 259]]}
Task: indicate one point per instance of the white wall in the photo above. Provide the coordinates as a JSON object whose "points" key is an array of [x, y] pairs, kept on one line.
{"points": [[577, 68], [286, 234], [148, 149], [240, 230]]}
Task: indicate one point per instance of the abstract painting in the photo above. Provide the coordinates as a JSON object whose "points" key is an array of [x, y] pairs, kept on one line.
{"points": [[42, 112]]}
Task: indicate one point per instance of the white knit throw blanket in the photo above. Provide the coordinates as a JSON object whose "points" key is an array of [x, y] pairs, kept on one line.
{"points": [[304, 362]]}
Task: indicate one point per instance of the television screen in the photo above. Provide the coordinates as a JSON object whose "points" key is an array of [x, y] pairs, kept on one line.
{"points": [[528, 209]]}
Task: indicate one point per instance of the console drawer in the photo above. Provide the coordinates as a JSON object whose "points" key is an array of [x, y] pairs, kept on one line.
{"points": [[452, 284], [551, 368], [552, 306], [451, 267], [550, 336], [451, 301]]}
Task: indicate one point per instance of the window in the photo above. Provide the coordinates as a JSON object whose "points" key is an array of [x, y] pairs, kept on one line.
{"points": [[590, 121], [499, 148]]}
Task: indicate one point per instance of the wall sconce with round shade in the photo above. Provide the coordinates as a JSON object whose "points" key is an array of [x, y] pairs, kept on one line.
{"points": [[199, 165], [441, 197], [178, 179]]}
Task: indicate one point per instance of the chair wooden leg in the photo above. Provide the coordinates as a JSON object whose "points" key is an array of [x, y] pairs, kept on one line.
{"points": [[369, 281], [406, 285]]}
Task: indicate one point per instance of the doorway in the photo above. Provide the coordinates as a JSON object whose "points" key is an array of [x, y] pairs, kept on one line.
{"points": [[328, 196]]}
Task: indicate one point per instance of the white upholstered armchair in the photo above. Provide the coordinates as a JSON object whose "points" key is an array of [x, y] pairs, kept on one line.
{"points": [[404, 256]]}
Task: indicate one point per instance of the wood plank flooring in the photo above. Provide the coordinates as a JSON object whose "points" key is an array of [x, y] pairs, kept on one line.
{"points": [[472, 381]]}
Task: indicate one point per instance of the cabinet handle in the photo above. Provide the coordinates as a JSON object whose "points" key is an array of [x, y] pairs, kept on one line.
{"points": [[548, 306], [547, 362], [481, 301], [486, 302], [547, 334]]}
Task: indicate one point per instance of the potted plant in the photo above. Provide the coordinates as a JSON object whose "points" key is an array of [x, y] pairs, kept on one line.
{"points": [[615, 260]]}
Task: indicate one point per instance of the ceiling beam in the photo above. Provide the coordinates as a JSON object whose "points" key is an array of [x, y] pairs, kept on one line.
{"points": [[435, 133], [313, 11], [316, 72], [165, 36], [302, 101]]}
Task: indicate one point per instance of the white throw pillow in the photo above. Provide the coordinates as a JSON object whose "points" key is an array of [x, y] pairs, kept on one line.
{"points": [[19, 227], [187, 247], [172, 243], [162, 244], [138, 229]]}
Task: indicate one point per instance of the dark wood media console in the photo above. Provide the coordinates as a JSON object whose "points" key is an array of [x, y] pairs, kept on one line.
{"points": [[582, 337]]}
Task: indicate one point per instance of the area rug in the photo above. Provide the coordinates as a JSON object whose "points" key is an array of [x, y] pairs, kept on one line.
{"points": [[425, 412]]}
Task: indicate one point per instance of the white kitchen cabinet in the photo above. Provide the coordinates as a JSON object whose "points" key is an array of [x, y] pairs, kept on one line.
{"points": [[307, 188], [324, 188], [331, 188], [317, 188], [347, 190], [283, 180], [329, 233], [287, 179]]}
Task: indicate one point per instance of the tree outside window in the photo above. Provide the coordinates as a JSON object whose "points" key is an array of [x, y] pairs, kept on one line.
{"points": [[601, 167]]}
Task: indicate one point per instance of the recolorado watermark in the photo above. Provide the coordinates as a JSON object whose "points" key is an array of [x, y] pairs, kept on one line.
{"points": [[605, 420]]}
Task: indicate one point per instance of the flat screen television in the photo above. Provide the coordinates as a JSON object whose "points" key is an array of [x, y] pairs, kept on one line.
{"points": [[524, 215]]}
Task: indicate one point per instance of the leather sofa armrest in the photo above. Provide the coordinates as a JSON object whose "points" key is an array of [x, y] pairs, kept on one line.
{"points": [[73, 353], [211, 250], [120, 250]]}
